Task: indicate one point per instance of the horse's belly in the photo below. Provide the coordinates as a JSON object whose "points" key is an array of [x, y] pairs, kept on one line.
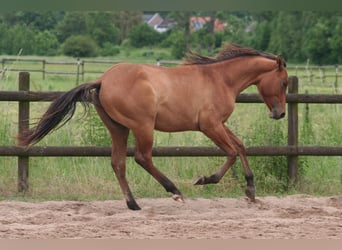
{"points": [[175, 122]]}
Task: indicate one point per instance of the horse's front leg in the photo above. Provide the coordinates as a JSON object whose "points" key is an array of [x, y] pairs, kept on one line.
{"points": [[228, 142]]}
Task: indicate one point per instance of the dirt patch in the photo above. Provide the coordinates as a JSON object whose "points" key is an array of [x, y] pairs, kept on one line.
{"points": [[291, 217]]}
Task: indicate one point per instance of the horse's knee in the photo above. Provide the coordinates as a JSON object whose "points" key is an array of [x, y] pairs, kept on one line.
{"points": [[242, 150], [140, 158]]}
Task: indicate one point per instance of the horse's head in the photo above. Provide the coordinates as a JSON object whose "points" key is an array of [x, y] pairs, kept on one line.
{"points": [[272, 87]]}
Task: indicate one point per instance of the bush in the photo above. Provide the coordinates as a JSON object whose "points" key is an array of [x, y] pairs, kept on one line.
{"points": [[109, 49], [175, 40], [178, 49], [80, 46]]}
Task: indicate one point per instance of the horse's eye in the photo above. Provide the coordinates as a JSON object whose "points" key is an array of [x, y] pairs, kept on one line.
{"points": [[284, 84]]}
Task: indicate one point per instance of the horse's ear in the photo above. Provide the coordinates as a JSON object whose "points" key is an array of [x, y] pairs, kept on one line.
{"points": [[280, 61]]}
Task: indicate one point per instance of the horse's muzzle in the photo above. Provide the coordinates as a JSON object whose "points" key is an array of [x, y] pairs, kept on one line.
{"points": [[277, 115]]}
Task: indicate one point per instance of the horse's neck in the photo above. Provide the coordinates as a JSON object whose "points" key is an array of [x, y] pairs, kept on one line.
{"points": [[240, 73]]}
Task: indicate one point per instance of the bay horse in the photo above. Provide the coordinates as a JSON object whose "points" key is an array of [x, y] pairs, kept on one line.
{"points": [[198, 95]]}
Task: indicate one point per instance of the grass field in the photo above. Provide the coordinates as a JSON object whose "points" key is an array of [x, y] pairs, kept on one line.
{"points": [[91, 178]]}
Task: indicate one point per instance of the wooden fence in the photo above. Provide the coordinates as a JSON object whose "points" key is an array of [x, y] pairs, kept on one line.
{"points": [[76, 69], [24, 96]]}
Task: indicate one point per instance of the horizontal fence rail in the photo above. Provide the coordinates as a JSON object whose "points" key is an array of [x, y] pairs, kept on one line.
{"points": [[184, 151], [292, 150], [41, 66], [39, 96]]}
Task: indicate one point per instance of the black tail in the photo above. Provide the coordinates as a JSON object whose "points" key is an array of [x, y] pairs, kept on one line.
{"points": [[60, 112]]}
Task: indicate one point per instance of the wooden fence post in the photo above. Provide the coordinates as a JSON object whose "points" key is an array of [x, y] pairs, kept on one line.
{"points": [[292, 160], [3, 69], [82, 73], [43, 66], [336, 79], [78, 71], [24, 115]]}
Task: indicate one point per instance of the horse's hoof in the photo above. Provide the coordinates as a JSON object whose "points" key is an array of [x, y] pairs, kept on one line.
{"points": [[250, 192], [199, 181], [178, 197], [133, 205]]}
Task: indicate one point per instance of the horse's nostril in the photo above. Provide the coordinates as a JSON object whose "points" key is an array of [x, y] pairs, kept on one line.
{"points": [[282, 115]]}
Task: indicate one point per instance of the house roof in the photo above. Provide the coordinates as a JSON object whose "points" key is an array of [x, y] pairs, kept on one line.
{"points": [[156, 22], [198, 22], [153, 19]]}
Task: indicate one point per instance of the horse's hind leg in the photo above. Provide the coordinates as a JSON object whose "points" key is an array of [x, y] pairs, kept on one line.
{"points": [[119, 135], [143, 156]]}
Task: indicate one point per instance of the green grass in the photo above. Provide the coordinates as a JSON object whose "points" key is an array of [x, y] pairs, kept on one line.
{"points": [[91, 178]]}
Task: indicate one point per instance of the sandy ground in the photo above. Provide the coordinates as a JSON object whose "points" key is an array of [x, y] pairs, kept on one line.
{"points": [[291, 217]]}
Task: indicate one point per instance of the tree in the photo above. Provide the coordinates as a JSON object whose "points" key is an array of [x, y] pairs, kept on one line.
{"points": [[202, 39], [3, 30], [183, 23], [205, 37], [125, 21], [46, 43], [42, 20], [18, 39], [297, 35], [261, 36], [210, 27], [287, 35], [102, 29], [335, 42], [316, 44], [235, 31], [74, 23]]}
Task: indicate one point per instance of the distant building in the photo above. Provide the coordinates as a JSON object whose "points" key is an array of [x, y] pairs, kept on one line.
{"points": [[197, 23], [156, 22]]}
